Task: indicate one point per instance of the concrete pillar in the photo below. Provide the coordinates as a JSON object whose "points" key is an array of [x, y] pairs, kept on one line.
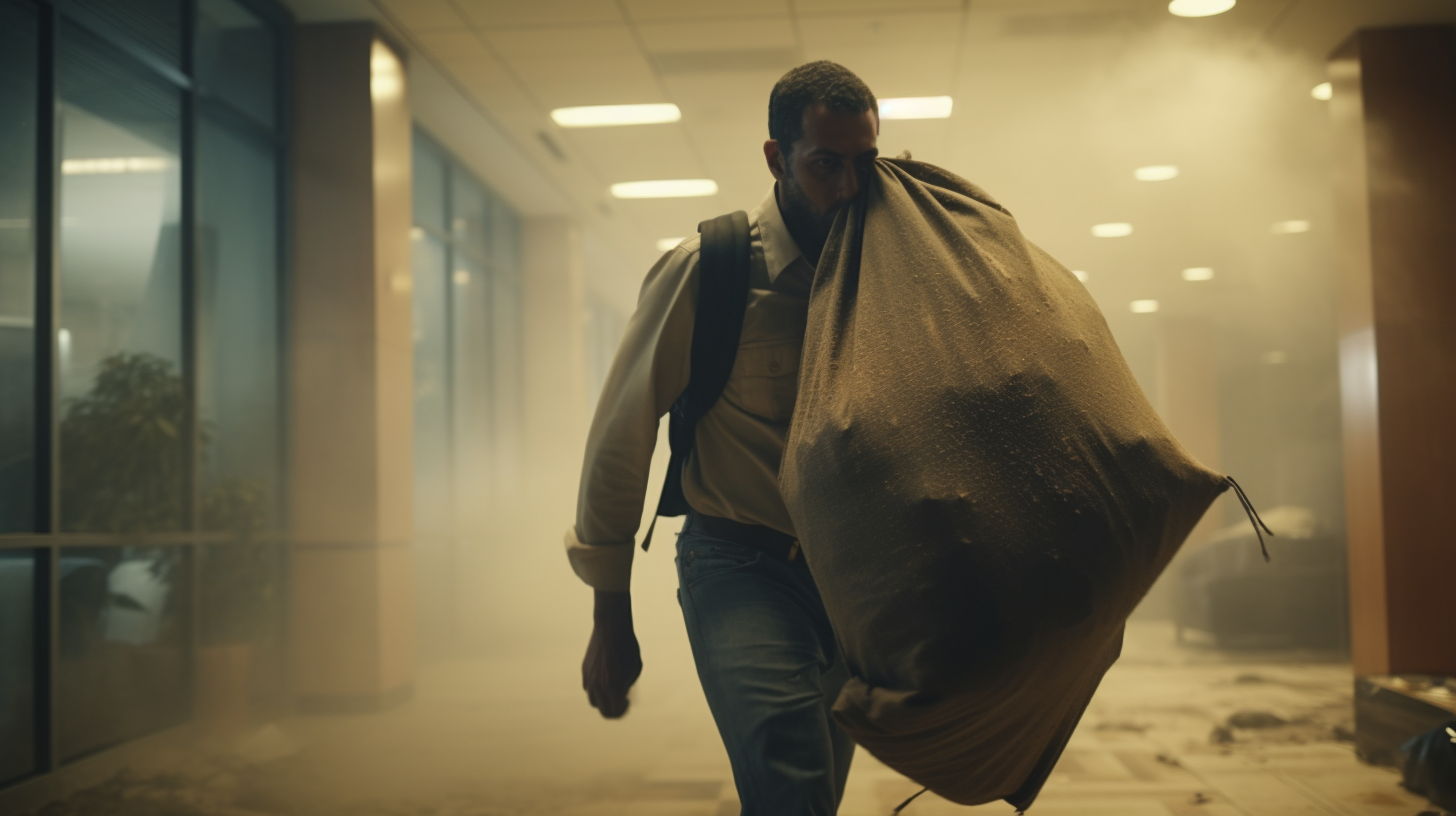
{"points": [[1394, 117], [351, 486]]}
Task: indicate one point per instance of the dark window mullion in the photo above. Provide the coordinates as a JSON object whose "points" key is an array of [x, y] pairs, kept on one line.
{"points": [[47, 482], [191, 308]]}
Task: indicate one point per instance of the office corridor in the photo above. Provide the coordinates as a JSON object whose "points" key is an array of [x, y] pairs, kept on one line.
{"points": [[512, 736]]}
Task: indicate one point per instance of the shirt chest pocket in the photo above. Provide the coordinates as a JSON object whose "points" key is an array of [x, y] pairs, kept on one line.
{"points": [[765, 379]]}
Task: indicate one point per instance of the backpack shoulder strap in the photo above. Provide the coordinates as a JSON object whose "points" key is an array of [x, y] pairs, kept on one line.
{"points": [[722, 299], [723, 274]]}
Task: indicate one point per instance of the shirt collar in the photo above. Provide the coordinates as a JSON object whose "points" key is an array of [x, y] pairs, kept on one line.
{"points": [[779, 249]]}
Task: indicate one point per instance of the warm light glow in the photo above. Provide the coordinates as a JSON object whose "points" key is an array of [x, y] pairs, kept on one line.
{"points": [[1198, 273], [615, 115], [416, 233], [461, 277], [1275, 358], [1144, 306], [1289, 227], [916, 107], [1081, 276], [386, 76], [1156, 172], [126, 164], [1199, 8], [1324, 92], [665, 188], [668, 244], [1115, 230]]}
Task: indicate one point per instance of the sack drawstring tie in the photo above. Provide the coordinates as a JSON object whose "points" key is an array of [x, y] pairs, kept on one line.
{"points": [[1253, 516]]}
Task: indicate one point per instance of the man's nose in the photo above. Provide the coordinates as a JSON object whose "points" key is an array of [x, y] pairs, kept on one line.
{"points": [[849, 187]]}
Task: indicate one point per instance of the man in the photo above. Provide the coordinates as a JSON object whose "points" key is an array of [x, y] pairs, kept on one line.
{"points": [[764, 649]]}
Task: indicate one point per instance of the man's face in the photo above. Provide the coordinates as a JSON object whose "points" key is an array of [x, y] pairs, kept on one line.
{"points": [[824, 171]]}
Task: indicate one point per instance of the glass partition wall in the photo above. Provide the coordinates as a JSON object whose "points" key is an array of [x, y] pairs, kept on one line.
{"points": [[468, 370], [140, 374]]}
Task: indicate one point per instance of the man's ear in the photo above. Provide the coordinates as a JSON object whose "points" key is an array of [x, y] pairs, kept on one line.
{"points": [[775, 159]]}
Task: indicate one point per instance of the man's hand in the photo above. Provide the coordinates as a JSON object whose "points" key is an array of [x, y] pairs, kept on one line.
{"points": [[613, 661]]}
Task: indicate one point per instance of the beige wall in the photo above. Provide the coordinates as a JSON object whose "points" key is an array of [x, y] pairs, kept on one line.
{"points": [[352, 375]]}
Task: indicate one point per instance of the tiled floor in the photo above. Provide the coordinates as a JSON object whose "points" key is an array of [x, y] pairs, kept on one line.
{"points": [[513, 736]]}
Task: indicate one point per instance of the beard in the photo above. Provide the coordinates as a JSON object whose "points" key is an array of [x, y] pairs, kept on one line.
{"points": [[808, 225]]}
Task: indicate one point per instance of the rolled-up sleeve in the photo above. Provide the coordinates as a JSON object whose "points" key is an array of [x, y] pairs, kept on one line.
{"points": [[650, 370]]}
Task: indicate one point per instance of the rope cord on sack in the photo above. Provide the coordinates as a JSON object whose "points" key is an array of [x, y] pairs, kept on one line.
{"points": [[903, 804], [1253, 516]]}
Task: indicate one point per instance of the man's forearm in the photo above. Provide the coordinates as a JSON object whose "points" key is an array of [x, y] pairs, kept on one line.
{"points": [[612, 607]]}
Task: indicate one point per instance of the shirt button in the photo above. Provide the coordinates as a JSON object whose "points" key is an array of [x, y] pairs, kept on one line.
{"points": [[773, 366]]}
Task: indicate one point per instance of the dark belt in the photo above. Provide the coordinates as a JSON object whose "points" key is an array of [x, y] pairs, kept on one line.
{"points": [[782, 546]]}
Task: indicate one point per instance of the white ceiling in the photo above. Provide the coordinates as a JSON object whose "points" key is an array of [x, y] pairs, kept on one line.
{"points": [[1056, 102]]}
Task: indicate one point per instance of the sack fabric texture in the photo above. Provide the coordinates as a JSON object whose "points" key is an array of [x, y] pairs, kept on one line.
{"points": [[980, 486]]}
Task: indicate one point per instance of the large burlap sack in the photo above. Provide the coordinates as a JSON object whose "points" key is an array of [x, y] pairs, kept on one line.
{"points": [[981, 489]]}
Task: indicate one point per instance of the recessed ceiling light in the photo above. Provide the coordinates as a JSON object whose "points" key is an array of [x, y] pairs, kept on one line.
{"points": [[1081, 276], [1144, 306], [1199, 8], [665, 188], [1156, 172], [1198, 273], [1275, 358], [614, 115], [1324, 92], [916, 107], [1289, 227], [668, 244], [122, 164], [1115, 230]]}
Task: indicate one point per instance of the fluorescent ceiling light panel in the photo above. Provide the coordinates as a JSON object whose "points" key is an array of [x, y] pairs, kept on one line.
{"points": [[1289, 227], [1115, 230], [1199, 8], [1156, 172], [916, 107], [1324, 92], [1144, 306], [1081, 276], [668, 244], [665, 188], [1198, 273], [127, 164], [615, 115]]}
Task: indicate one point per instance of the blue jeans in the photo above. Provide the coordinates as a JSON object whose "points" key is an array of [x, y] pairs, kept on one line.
{"points": [[771, 670]]}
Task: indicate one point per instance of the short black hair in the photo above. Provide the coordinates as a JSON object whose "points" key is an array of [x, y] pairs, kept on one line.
{"points": [[801, 88]]}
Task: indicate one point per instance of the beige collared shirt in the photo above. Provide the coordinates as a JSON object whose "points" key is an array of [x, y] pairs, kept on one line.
{"points": [[733, 469]]}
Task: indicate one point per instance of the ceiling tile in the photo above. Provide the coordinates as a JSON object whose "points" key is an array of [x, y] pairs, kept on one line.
{"points": [[574, 41], [635, 153], [424, 14], [540, 12], [760, 32], [643, 10], [566, 81], [892, 6], [920, 30], [453, 45]]}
